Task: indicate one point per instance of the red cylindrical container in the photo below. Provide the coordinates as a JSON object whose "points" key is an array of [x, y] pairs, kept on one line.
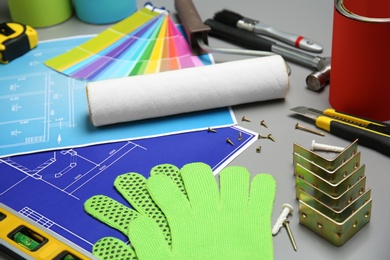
{"points": [[360, 75]]}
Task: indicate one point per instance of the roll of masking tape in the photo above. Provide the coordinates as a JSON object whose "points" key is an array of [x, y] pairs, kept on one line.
{"points": [[187, 90], [40, 13], [104, 11]]}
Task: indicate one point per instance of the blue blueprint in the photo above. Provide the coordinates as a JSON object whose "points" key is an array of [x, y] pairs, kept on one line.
{"points": [[41, 110], [50, 187]]}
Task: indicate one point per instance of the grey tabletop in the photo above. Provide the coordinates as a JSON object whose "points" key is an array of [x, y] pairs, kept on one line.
{"points": [[313, 19]]}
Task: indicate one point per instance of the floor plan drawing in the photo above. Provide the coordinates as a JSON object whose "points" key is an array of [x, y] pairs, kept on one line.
{"points": [[42, 109], [52, 158], [34, 108], [52, 186]]}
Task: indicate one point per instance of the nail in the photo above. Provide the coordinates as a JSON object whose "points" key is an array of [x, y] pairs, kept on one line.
{"points": [[301, 127], [239, 136], [286, 224], [229, 141], [263, 123], [271, 137], [211, 130], [260, 136], [258, 149], [245, 119]]}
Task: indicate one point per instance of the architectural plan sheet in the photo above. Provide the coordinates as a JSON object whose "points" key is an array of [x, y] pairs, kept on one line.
{"points": [[51, 187], [42, 109], [52, 158]]}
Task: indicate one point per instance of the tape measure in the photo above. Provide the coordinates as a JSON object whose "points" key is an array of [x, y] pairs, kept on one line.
{"points": [[21, 238], [15, 40]]}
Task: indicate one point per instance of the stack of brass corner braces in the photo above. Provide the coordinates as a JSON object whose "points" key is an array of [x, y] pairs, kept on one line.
{"points": [[332, 194]]}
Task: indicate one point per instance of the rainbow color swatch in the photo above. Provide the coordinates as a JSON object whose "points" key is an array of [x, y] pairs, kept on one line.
{"points": [[146, 42]]}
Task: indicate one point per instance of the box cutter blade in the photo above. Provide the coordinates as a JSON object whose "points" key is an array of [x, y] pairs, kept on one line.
{"points": [[372, 134]]}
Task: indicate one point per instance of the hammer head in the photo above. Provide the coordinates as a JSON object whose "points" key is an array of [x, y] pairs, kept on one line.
{"points": [[318, 79]]}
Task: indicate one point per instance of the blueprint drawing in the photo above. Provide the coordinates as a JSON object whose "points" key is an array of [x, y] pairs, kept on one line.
{"points": [[41, 109], [51, 187]]}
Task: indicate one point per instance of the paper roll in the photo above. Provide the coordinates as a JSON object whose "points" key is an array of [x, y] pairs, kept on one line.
{"points": [[187, 90]]}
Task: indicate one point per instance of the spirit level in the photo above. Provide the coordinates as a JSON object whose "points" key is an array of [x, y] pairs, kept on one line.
{"points": [[21, 238]]}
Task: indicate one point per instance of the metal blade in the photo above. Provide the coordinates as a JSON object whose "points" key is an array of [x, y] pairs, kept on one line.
{"points": [[307, 112]]}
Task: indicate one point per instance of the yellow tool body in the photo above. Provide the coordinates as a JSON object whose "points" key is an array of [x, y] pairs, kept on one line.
{"points": [[21, 238], [15, 40], [373, 134]]}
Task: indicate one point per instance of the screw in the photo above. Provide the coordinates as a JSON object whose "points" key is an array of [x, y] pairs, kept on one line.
{"points": [[287, 209], [245, 119], [260, 136], [211, 130], [229, 141], [325, 147], [271, 137], [298, 126], [239, 136], [263, 124], [286, 224]]}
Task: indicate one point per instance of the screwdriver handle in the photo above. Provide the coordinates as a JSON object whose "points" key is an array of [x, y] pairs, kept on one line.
{"points": [[250, 40], [238, 36]]}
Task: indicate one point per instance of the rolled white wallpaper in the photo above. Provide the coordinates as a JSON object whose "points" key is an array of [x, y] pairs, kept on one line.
{"points": [[187, 90]]}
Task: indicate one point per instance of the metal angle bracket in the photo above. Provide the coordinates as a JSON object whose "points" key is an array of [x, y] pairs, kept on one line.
{"points": [[323, 162], [333, 200], [332, 189], [337, 203], [335, 226], [333, 176]]}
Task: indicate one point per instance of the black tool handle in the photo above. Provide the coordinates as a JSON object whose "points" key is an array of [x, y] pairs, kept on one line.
{"points": [[193, 24], [378, 142], [238, 36], [374, 125]]}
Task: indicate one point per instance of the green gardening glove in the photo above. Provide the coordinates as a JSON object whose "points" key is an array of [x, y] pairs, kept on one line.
{"points": [[232, 222], [132, 187]]}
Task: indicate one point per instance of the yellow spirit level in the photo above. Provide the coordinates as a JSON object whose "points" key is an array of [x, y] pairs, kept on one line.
{"points": [[15, 40], [21, 238]]}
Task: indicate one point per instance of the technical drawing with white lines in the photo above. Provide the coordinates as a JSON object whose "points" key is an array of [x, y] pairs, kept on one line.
{"points": [[53, 185], [42, 110]]}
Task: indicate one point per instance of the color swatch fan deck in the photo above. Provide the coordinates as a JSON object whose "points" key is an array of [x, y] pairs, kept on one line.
{"points": [[146, 42]]}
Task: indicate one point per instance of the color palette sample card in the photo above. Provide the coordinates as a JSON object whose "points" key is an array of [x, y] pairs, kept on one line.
{"points": [[146, 42]]}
